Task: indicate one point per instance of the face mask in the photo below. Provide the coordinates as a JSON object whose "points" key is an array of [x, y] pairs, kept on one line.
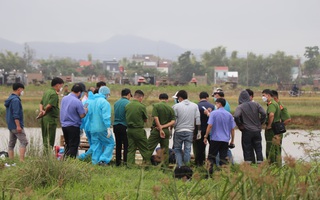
{"points": [[176, 101], [60, 89], [264, 99], [214, 99], [21, 93]]}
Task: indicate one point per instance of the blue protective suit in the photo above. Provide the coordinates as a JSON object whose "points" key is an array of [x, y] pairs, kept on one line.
{"points": [[99, 116], [85, 126]]}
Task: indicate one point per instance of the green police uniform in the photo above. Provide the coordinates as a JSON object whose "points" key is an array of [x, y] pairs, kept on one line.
{"points": [[273, 151], [49, 121], [136, 114], [165, 114], [284, 114]]}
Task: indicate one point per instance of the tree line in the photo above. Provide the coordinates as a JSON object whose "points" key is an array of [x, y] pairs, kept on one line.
{"points": [[253, 69]]}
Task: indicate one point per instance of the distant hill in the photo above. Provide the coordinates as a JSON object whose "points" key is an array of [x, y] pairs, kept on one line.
{"points": [[118, 46], [10, 46]]}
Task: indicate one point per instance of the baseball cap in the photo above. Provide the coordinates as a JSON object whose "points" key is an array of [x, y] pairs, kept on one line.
{"points": [[217, 91]]}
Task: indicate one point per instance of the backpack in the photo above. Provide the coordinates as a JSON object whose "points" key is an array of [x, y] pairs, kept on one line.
{"points": [[183, 171]]}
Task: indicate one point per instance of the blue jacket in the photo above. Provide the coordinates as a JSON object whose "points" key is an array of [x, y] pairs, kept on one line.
{"points": [[13, 111]]}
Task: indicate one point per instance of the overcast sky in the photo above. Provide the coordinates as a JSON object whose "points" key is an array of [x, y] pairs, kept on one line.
{"points": [[243, 25]]}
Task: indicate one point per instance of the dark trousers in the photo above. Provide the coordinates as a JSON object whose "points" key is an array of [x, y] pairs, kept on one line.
{"points": [[120, 132], [200, 150], [215, 148], [71, 136], [251, 145]]}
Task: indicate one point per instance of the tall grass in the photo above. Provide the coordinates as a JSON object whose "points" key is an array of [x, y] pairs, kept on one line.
{"points": [[42, 176], [48, 179]]}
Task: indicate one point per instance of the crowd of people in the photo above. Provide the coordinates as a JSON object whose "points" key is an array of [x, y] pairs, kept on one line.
{"points": [[189, 123]]}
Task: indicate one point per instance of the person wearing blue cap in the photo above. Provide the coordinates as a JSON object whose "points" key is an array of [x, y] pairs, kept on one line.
{"points": [[99, 116]]}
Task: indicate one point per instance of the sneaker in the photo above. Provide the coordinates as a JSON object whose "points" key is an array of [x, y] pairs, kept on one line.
{"points": [[14, 164], [7, 165]]}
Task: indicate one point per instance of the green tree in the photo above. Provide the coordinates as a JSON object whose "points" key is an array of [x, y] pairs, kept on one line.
{"points": [[215, 57], [11, 61], [313, 62], [28, 57], [186, 66]]}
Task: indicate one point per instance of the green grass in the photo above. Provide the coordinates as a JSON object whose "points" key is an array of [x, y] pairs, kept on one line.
{"points": [[304, 109], [48, 178]]}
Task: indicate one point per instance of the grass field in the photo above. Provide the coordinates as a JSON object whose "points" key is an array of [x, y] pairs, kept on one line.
{"points": [[304, 110]]}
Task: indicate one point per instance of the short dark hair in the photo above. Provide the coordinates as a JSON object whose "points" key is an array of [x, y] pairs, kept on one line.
{"points": [[267, 91], [83, 86], [250, 92], [16, 86], [203, 95], [222, 101], [125, 92], [274, 93], [138, 93], [163, 96], [77, 88], [56, 80], [101, 83], [183, 94]]}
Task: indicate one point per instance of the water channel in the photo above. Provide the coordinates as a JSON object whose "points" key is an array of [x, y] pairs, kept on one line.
{"points": [[291, 143]]}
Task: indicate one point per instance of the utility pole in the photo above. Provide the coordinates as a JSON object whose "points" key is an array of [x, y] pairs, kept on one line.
{"points": [[247, 70]]}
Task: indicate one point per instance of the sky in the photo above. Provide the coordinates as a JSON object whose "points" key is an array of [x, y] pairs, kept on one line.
{"points": [[262, 27]]}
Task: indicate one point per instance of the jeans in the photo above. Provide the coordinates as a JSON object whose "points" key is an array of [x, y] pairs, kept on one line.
{"points": [[251, 145], [184, 138]]}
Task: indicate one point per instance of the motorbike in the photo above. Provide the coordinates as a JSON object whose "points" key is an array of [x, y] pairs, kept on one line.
{"points": [[295, 93]]}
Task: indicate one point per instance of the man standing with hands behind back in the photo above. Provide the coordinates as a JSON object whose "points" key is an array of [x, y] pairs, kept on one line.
{"points": [[164, 118], [49, 112]]}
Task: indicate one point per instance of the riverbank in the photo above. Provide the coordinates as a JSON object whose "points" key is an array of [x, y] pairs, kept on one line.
{"points": [[293, 145]]}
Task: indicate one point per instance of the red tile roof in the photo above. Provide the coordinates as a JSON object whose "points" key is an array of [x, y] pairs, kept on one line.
{"points": [[85, 63], [222, 68]]}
